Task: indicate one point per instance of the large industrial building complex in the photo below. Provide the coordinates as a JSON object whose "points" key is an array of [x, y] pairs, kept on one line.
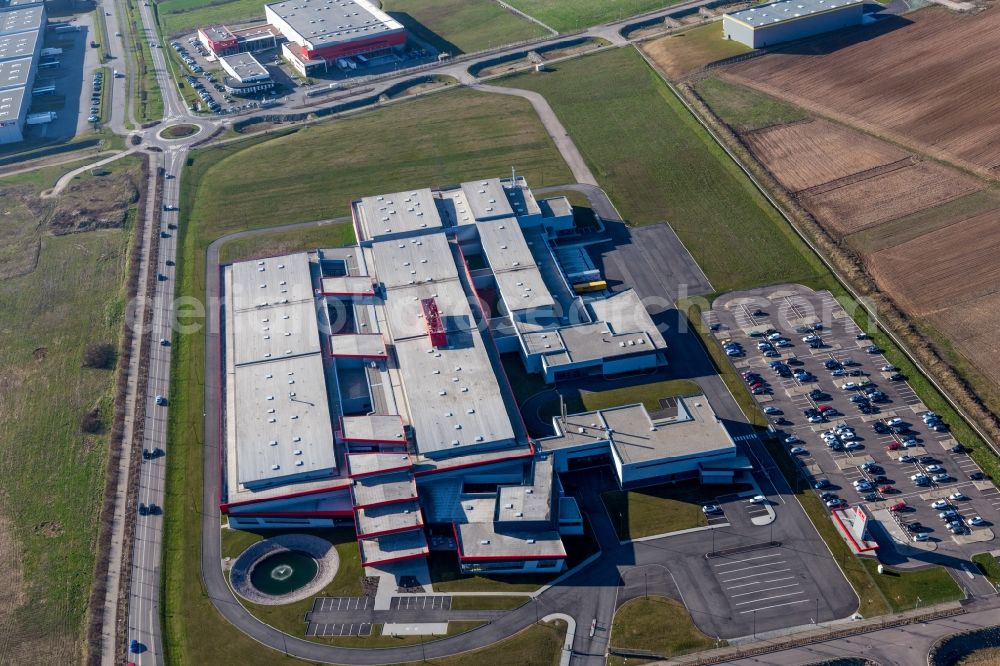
{"points": [[313, 34], [788, 20], [365, 383], [22, 28]]}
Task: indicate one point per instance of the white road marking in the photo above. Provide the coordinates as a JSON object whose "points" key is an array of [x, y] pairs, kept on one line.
{"points": [[777, 596], [755, 566], [749, 559], [767, 589], [760, 582], [762, 573]]}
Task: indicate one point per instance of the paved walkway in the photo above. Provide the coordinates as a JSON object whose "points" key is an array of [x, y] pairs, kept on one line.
{"points": [[568, 150], [66, 178]]}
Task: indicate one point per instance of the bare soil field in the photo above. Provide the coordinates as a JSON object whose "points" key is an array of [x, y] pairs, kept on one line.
{"points": [[920, 80], [812, 152], [863, 200], [947, 268], [971, 328]]}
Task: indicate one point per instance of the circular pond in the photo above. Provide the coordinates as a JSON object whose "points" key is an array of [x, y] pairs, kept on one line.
{"points": [[283, 572]]}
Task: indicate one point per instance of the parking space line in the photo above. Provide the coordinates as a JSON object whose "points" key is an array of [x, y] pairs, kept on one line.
{"points": [[755, 566], [760, 582], [763, 573], [768, 589], [748, 559], [789, 603], [777, 596]]}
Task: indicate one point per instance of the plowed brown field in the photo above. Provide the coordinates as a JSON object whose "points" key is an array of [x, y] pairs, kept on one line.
{"points": [[809, 153], [858, 202], [928, 80], [952, 267]]}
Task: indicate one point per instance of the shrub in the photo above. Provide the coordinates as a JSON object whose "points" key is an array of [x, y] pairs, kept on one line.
{"points": [[99, 355], [91, 421]]}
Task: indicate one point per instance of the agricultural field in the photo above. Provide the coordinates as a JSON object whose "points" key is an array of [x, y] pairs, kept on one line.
{"points": [[917, 80], [462, 26], [688, 51], [64, 293], [179, 17], [658, 164], [445, 138], [567, 16], [927, 233]]}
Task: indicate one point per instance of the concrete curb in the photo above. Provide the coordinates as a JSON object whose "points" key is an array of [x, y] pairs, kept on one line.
{"points": [[567, 651]]}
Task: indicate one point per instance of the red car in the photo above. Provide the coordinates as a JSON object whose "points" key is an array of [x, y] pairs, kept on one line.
{"points": [[898, 506], [823, 408], [886, 489], [893, 447]]}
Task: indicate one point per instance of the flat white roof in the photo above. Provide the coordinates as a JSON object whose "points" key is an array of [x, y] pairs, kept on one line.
{"points": [[357, 346], [347, 285], [504, 245], [24, 19], [625, 313], [277, 332], [244, 67], [10, 103], [405, 316], [374, 428], [14, 73], [482, 540], [487, 199], [19, 45], [324, 22], [524, 289], [283, 429], [398, 213], [787, 10], [408, 261], [263, 283], [362, 464], [453, 396]]}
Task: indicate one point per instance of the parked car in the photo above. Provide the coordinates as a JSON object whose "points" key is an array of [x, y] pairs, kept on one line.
{"points": [[710, 509], [898, 506]]}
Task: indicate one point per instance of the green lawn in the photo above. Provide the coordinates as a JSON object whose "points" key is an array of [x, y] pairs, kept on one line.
{"points": [[743, 108], [539, 645], [462, 26], [183, 16], [658, 625], [908, 589], [51, 474], [989, 566], [571, 15], [660, 509], [148, 102], [312, 173], [271, 244], [658, 164]]}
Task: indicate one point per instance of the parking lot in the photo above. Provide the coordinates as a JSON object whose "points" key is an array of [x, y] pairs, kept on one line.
{"points": [[858, 429]]}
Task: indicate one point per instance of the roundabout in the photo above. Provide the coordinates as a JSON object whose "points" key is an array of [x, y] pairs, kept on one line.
{"points": [[179, 131], [284, 569]]}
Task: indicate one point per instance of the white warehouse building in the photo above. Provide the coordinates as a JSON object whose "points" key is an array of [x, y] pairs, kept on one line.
{"points": [[788, 20]]}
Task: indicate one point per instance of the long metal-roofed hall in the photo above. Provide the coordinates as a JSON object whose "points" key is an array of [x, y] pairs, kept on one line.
{"points": [[788, 20], [22, 26], [366, 383]]}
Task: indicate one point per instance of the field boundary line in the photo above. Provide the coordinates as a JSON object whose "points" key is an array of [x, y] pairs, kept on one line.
{"points": [[876, 317]]}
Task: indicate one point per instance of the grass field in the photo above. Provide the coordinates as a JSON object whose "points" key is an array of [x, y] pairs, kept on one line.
{"points": [[489, 603], [744, 109], [687, 51], [148, 102], [244, 183], [444, 139], [658, 164], [906, 590], [462, 26], [51, 474], [272, 244], [183, 16], [567, 16], [659, 509], [659, 625], [989, 566]]}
